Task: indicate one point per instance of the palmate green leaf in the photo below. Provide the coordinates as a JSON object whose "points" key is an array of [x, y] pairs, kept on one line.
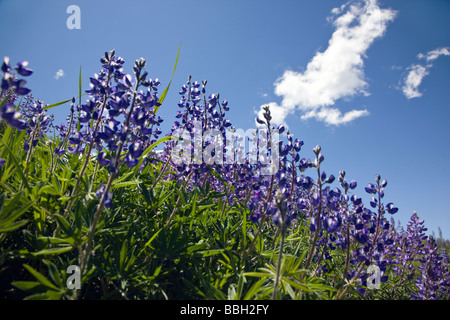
{"points": [[149, 242], [6, 134], [297, 285], [163, 95], [55, 274], [65, 225], [9, 213], [127, 256], [254, 289], [16, 163], [7, 208]]}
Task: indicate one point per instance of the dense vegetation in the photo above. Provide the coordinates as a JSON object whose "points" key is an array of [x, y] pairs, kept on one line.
{"points": [[139, 217]]}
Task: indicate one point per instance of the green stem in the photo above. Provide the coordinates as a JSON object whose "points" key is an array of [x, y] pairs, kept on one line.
{"points": [[280, 257], [112, 175], [91, 145]]}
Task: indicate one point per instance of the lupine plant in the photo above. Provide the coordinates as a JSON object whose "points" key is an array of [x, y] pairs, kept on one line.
{"points": [[188, 215]]}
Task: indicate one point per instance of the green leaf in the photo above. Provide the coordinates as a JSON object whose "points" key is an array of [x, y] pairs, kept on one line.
{"points": [[9, 213], [149, 149], [254, 289], [16, 163], [240, 286], [52, 251], [64, 224], [54, 273], [194, 203], [5, 99], [60, 103], [297, 285], [125, 184], [53, 240], [258, 274], [208, 253], [196, 247], [48, 295], [13, 226], [7, 209], [27, 285], [56, 104], [149, 242], [41, 278], [163, 95]]}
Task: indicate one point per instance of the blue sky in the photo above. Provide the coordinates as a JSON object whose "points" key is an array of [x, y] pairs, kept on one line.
{"points": [[367, 80]]}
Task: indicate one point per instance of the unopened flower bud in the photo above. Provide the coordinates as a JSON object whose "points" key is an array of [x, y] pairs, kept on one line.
{"points": [[316, 150]]}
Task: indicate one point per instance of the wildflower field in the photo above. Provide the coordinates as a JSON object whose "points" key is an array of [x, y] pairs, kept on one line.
{"points": [[107, 206]]}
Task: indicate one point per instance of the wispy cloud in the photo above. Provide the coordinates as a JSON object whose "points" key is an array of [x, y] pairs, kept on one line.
{"points": [[413, 80], [416, 72], [337, 72], [59, 74]]}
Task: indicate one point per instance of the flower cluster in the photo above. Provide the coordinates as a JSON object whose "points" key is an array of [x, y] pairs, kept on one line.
{"points": [[434, 276], [10, 84], [118, 123], [39, 122], [10, 80], [29, 115], [117, 116], [336, 215]]}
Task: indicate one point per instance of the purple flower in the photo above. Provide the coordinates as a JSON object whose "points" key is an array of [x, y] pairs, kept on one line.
{"points": [[255, 217], [135, 149], [59, 151], [371, 188], [100, 193], [102, 160], [12, 117], [390, 208], [10, 81], [22, 70]]}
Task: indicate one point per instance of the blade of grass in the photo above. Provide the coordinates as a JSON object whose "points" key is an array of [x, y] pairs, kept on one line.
{"points": [[59, 103], [163, 95], [5, 99]]}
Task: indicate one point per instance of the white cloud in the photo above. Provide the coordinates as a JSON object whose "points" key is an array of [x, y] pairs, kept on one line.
{"points": [[59, 74], [338, 71], [416, 72], [413, 81], [333, 116], [434, 54]]}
